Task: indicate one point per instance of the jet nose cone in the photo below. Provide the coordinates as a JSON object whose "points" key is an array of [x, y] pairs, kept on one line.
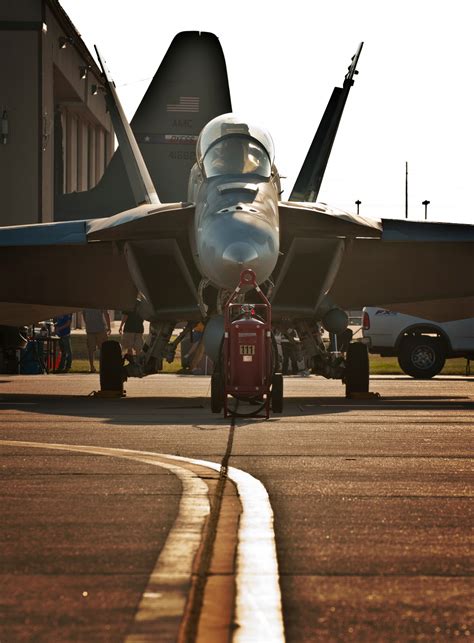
{"points": [[240, 253]]}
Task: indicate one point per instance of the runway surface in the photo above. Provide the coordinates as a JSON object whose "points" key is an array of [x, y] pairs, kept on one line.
{"points": [[148, 518]]}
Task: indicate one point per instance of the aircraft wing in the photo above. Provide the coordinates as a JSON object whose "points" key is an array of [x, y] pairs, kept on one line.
{"points": [[396, 264], [416, 267], [64, 266]]}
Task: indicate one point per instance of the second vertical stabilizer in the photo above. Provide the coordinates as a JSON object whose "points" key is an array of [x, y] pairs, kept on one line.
{"points": [[309, 179]]}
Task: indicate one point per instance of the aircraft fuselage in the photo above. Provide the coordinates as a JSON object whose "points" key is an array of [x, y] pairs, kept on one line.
{"points": [[235, 188], [236, 227]]}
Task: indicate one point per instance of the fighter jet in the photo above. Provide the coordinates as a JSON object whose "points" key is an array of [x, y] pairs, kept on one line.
{"points": [[192, 197]]}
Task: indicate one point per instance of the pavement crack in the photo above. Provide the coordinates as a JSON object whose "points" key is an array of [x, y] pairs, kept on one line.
{"points": [[189, 626]]}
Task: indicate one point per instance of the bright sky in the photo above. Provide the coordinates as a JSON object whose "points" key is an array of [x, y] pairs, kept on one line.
{"points": [[412, 100]]}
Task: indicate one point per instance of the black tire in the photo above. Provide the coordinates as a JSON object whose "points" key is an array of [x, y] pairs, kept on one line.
{"points": [[111, 367], [277, 393], [357, 369], [217, 392], [421, 357]]}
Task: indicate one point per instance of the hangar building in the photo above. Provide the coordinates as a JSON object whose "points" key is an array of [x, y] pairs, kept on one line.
{"points": [[56, 136]]}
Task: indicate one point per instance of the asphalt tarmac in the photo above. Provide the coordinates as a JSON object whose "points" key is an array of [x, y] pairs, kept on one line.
{"points": [[133, 519]]}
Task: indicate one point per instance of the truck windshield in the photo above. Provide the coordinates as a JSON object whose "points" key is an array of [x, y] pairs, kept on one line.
{"points": [[236, 155]]}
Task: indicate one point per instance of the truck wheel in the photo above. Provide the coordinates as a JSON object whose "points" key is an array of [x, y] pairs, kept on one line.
{"points": [[217, 392], [277, 393], [111, 367], [357, 369], [421, 357]]}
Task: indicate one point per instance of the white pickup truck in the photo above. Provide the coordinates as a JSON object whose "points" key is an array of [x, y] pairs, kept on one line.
{"points": [[422, 346]]}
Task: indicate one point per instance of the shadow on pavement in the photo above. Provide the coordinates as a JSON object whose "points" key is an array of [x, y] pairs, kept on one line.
{"points": [[196, 410]]}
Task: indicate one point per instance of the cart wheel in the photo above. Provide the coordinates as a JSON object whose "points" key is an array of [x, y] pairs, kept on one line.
{"points": [[277, 393], [111, 367], [217, 392], [357, 369]]}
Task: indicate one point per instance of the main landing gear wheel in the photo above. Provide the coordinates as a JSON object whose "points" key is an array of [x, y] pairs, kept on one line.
{"points": [[421, 357], [217, 392], [111, 367], [277, 393], [357, 369]]}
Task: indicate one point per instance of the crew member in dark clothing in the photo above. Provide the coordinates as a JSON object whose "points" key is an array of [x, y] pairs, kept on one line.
{"points": [[62, 326], [131, 329]]}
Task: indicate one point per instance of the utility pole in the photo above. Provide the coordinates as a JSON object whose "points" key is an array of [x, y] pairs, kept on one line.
{"points": [[358, 202], [425, 203], [406, 189]]}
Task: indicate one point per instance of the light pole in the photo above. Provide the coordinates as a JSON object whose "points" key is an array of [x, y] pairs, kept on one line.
{"points": [[425, 203], [406, 189], [357, 204]]}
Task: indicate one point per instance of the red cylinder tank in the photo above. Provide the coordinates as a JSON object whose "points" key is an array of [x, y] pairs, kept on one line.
{"points": [[248, 358]]}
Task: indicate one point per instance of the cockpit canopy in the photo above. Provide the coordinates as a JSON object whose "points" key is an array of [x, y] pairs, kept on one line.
{"points": [[227, 145]]}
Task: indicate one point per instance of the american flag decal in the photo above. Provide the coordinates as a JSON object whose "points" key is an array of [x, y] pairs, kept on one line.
{"points": [[186, 104]]}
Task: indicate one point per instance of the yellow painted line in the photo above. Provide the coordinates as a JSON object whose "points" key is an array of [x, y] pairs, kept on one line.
{"points": [[258, 612], [168, 587], [258, 596], [216, 616]]}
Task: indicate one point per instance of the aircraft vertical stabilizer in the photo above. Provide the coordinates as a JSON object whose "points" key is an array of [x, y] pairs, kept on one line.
{"points": [[309, 179], [189, 89]]}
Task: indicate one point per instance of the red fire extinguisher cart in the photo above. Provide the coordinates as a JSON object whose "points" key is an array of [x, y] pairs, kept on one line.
{"points": [[247, 365]]}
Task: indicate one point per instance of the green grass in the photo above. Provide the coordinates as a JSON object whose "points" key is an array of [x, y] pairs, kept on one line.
{"points": [[80, 361], [389, 366], [378, 365]]}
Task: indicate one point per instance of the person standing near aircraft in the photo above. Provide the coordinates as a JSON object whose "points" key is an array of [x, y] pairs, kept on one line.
{"points": [[131, 329], [97, 331], [62, 327], [196, 352]]}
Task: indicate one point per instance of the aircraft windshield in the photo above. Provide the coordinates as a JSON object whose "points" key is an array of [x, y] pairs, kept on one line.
{"points": [[236, 155], [229, 145]]}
